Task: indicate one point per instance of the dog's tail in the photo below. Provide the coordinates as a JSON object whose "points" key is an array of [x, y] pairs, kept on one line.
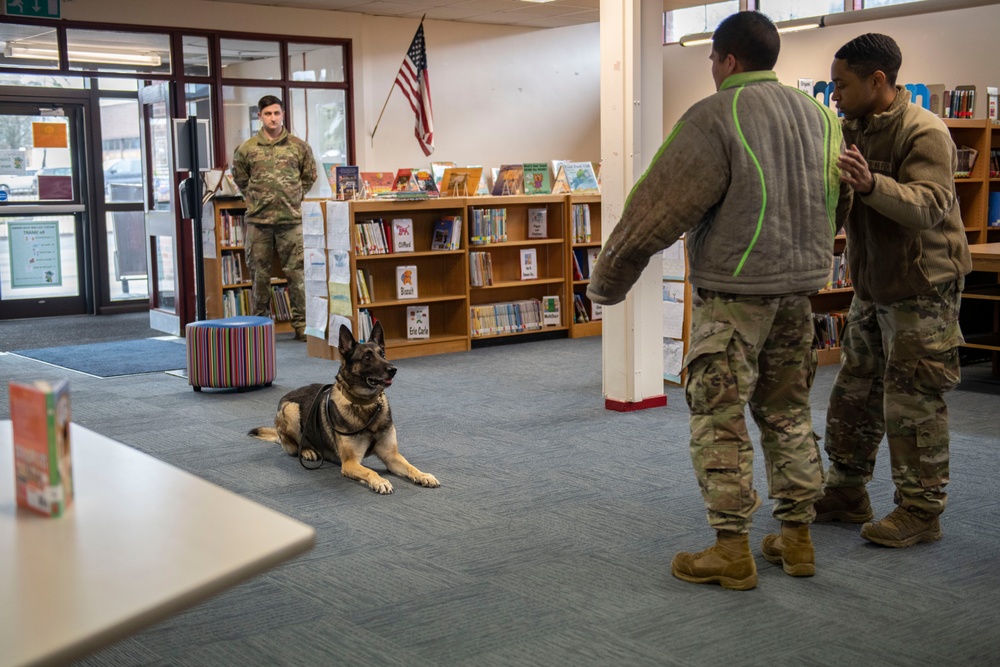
{"points": [[265, 433]]}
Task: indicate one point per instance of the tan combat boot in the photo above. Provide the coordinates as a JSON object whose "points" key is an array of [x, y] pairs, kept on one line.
{"points": [[728, 563], [849, 504], [903, 527], [793, 548]]}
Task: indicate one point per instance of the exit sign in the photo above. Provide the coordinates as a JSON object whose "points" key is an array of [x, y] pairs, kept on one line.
{"points": [[45, 9]]}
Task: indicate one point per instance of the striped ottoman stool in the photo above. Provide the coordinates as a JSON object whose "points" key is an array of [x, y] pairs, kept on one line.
{"points": [[232, 352]]}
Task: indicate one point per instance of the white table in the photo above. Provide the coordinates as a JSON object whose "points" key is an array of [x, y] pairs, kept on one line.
{"points": [[144, 540]]}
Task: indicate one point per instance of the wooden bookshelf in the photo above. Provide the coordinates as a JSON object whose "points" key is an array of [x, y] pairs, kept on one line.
{"points": [[581, 245], [227, 274]]}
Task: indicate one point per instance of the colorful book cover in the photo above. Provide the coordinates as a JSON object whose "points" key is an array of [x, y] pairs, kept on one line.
{"points": [[43, 471], [418, 322], [331, 177], [402, 235], [404, 181], [536, 178], [461, 181], [425, 182], [551, 316], [377, 182], [348, 178], [438, 169], [441, 236], [509, 180], [529, 264], [406, 282], [538, 223], [581, 177]]}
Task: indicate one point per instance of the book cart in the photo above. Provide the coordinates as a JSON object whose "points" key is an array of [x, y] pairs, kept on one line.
{"points": [[441, 278], [227, 279], [511, 305]]}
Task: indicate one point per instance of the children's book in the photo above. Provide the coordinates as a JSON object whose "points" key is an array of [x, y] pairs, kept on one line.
{"points": [[331, 177], [425, 182], [402, 235], [529, 264], [461, 181], [551, 317], [580, 177], [43, 470], [509, 180], [560, 186], [404, 181], [348, 182], [406, 282], [537, 223], [447, 233], [438, 169], [418, 322], [483, 189], [377, 182], [536, 178]]}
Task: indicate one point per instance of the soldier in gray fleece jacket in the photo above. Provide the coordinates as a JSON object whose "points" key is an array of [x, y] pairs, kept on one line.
{"points": [[750, 174]]}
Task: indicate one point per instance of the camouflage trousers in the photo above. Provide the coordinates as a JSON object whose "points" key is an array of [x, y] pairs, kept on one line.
{"points": [[263, 243], [897, 363], [754, 350]]}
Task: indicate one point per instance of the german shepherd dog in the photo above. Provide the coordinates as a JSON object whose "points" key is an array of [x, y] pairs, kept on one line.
{"points": [[348, 420]]}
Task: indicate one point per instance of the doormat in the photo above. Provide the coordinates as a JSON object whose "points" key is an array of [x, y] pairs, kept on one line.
{"points": [[127, 357]]}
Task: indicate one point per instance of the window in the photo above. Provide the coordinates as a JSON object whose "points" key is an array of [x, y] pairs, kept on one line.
{"points": [[868, 4], [693, 20], [112, 51], [786, 10], [250, 59], [316, 62]]}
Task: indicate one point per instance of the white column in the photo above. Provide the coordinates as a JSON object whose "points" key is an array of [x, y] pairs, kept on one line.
{"points": [[631, 133]]}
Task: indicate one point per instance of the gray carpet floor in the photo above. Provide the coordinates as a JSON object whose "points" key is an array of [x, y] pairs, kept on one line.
{"points": [[550, 539]]}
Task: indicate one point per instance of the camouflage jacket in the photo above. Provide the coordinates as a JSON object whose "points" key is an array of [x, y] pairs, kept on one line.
{"points": [[274, 175]]}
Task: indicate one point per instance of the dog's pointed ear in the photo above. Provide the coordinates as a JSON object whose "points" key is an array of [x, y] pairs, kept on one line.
{"points": [[347, 341], [378, 336]]}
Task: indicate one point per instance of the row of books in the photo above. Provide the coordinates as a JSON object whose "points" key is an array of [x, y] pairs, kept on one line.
{"points": [[240, 302], [489, 225], [829, 329], [581, 223], [447, 233], [418, 323], [232, 269], [365, 323], [232, 229], [480, 269], [958, 103], [581, 314], [840, 274], [584, 260], [995, 164], [381, 237], [492, 319], [448, 179], [365, 287]]}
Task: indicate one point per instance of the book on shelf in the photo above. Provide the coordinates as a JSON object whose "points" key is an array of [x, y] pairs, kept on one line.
{"points": [[461, 181], [580, 310], [365, 323], [406, 282], [578, 265], [348, 178], [402, 235], [329, 168], [377, 182], [489, 225], [560, 185], [580, 177], [418, 322], [536, 178], [551, 317], [492, 319], [483, 189], [509, 180], [581, 223], [529, 264], [480, 269], [363, 279], [404, 181], [447, 233], [438, 170], [425, 182], [43, 467], [538, 223], [592, 255]]}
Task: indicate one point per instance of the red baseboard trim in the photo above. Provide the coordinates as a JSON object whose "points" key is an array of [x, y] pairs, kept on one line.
{"points": [[626, 406]]}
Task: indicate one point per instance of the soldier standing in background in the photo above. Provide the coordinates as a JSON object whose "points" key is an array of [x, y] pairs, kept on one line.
{"points": [[274, 170], [908, 256]]}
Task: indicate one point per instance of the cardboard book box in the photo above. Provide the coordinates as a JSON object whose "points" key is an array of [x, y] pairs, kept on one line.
{"points": [[43, 471]]}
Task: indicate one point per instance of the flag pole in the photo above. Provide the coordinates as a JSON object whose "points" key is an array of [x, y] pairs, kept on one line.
{"points": [[386, 103]]}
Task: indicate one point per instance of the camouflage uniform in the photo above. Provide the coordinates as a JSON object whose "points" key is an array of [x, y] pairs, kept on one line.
{"points": [[274, 175], [756, 350], [898, 361]]}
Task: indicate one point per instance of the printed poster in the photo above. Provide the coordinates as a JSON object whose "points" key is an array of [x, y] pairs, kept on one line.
{"points": [[49, 134], [34, 254]]}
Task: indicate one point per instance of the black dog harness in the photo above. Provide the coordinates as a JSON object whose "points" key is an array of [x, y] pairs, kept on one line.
{"points": [[313, 431]]}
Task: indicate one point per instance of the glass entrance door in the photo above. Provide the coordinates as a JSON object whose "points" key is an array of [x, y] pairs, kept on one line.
{"points": [[43, 202]]}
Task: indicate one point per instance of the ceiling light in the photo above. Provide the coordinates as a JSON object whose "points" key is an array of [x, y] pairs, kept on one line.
{"points": [[696, 39], [83, 55]]}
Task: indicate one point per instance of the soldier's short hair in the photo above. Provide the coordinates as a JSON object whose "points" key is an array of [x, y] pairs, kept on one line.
{"points": [[751, 38], [267, 101], [870, 53]]}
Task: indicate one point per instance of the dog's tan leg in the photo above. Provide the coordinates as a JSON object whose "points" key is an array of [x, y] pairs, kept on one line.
{"points": [[350, 466], [387, 450]]}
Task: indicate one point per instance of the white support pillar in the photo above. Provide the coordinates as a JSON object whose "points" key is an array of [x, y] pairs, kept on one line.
{"points": [[631, 133]]}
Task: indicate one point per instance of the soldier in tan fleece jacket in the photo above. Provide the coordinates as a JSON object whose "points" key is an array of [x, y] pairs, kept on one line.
{"points": [[750, 174], [908, 256]]}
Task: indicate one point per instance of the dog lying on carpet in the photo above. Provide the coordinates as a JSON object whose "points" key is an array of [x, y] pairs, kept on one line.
{"points": [[348, 420]]}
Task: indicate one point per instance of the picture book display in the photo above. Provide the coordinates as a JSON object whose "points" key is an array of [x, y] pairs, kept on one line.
{"points": [[438, 169], [536, 178], [509, 180], [402, 235], [425, 182], [447, 233], [406, 282], [348, 179], [461, 181], [43, 470], [551, 316], [377, 182], [529, 264], [418, 322], [580, 177], [404, 181], [537, 223]]}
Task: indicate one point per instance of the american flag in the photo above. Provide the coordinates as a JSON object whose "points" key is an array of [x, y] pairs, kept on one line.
{"points": [[412, 80]]}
